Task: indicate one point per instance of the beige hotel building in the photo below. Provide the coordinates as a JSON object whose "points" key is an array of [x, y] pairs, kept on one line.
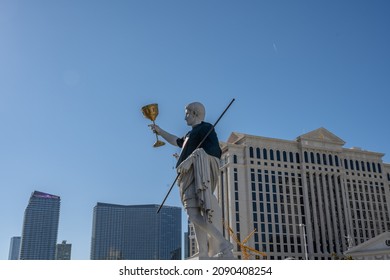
{"points": [[308, 198]]}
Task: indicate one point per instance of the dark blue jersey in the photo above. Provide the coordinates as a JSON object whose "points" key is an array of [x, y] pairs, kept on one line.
{"points": [[193, 138]]}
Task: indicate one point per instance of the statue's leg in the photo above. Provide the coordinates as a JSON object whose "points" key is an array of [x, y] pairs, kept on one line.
{"points": [[216, 220], [205, 228], [201, 239]]}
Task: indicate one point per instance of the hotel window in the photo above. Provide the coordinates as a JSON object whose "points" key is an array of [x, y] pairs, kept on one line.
{"points": [[345, 163], [297, 158], [258, 152], [277, 155], [265, 153], [362, 165], [330, 160], [357, 165], [251, 152], [379, 168], [261, 207], [373, 167], [368, 167], [284, 156], [254, 217], [291, 155], [312, 157], [318, 158], [351, 164], [324, 159], [271, 154], [336, 159], [306, 157], [254, 196]]}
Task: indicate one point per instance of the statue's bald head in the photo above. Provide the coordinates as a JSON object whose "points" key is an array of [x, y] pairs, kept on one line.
{"points": [[197, 109]]}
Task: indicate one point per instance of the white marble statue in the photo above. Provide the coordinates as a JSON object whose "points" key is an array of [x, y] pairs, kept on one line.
{"points": [[198, 169]]}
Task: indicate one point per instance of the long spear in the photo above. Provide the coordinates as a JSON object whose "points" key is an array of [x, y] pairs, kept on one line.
{"points": [[201, 142]]}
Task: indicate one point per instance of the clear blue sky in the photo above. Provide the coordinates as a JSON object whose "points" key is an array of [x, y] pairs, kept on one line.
{"points": [[75, 73]]}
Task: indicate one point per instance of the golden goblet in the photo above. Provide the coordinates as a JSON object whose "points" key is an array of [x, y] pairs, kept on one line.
{"points": [[151, 112]]}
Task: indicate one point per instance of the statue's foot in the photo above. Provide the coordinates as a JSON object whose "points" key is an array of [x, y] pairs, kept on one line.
{"points": [[225, 255], [226, 252], [203, 256], [198, 256]]}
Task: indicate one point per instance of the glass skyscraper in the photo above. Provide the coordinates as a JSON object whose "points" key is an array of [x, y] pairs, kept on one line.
{"points": [[14, 248], [40, 227], [64, 251], [135, 232]]}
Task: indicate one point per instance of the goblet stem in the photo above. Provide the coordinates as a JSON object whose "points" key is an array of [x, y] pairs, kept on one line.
{"points": [[158, 142]]}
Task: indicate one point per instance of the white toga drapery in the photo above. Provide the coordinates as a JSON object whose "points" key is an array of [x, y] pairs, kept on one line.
{"points": [[197, 181]]}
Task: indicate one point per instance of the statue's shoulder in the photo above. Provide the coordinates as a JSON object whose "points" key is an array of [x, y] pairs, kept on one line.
{"points": [[206, 124]]}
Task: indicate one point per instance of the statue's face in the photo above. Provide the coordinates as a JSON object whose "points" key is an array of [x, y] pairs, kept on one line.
{"points": [[191, 118]]}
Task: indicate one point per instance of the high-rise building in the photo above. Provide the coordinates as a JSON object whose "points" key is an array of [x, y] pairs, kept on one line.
{"points": [[14, 248], [306, 198], [190, 241], [63, 251], [135, 232], [40, 227]]}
